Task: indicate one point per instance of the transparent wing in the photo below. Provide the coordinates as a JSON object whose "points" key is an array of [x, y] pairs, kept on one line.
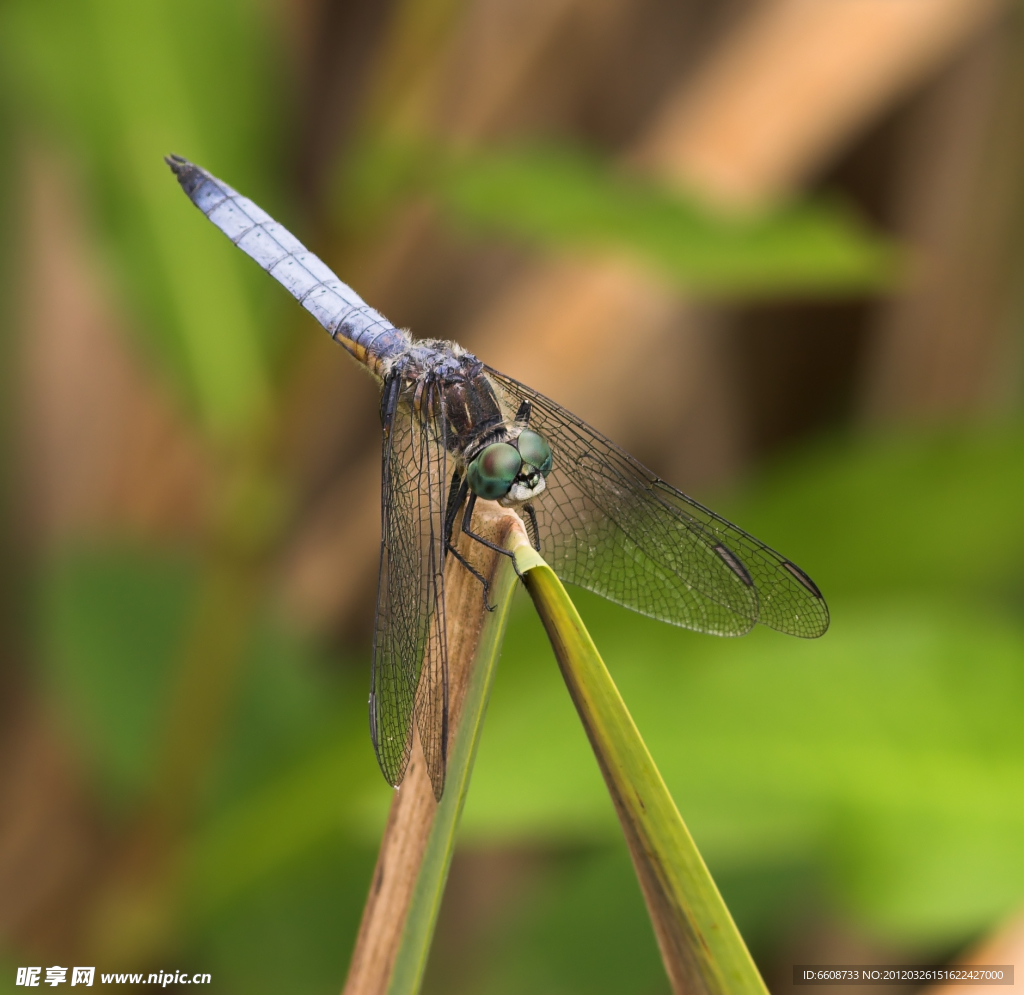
{"points": [[309, 280], [410, 654], [607, 524]]}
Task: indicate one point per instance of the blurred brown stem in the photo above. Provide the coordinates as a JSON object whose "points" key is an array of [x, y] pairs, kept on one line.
{"points": [[415, 852]]}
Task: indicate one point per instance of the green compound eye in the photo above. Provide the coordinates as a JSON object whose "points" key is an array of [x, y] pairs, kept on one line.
{"points": [[491, 474], [535, 451]]}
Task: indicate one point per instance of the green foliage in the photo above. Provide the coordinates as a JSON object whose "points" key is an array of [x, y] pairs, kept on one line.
{"points": [[276, 883], [294, 702], [120, 84], [10, 595], [279, 870], [293, 932], [879, 771], [889, 749], [112, 628], [902, 512], [565, 199], [579, 928]]}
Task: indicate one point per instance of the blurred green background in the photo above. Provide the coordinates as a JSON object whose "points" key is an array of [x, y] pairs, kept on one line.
{"points": [[803, 311]]}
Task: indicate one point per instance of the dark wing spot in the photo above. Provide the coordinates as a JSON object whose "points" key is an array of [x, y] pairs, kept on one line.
{"points": [[735, 564], [803, 578]]}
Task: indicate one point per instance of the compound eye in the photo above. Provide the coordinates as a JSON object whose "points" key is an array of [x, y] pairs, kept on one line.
{"points": [[491, 474], [535, 451]]}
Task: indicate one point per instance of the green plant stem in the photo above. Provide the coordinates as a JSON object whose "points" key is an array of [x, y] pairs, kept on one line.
{"points": [[700, 945]]}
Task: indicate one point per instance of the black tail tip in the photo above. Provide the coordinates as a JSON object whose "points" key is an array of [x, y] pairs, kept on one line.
{"points": [[190, 176]]}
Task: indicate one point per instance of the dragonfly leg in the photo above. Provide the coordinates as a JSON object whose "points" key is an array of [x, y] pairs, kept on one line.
{"points": [[476, 573], [531, 526], [456, 495], [466, 521]]}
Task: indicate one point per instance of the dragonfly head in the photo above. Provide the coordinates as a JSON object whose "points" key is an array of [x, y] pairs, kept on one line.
{"points": [[511, 473]]}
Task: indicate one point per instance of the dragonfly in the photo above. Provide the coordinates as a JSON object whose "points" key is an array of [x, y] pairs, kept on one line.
{"points": [[456, 431]]}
